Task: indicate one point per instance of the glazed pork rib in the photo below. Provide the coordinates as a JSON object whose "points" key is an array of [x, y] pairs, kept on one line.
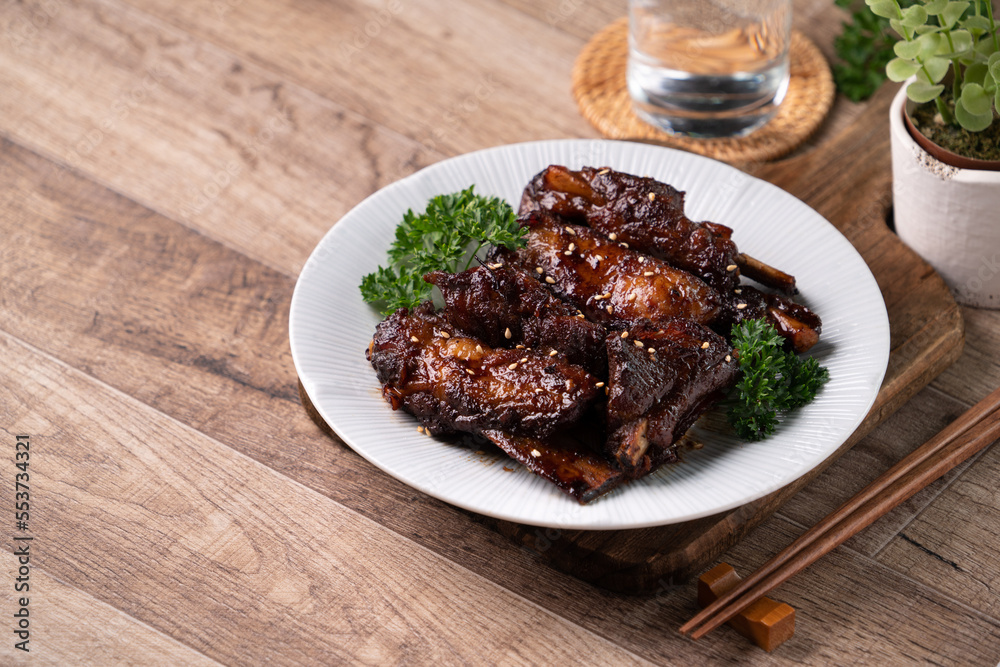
{"points": [[660, 381], [610, 283], [505, 307], [617, 286], [564, 459], [649, 216], [451, 382]]}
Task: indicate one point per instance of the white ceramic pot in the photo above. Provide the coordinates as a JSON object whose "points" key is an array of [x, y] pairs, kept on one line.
{"points": [[950, 216]]}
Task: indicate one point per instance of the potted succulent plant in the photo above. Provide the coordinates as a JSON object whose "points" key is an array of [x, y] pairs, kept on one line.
{"points": [[946, 140]]}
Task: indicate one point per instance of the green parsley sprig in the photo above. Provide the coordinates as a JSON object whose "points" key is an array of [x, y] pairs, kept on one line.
{"points": [[446, 236], [772, 380]]}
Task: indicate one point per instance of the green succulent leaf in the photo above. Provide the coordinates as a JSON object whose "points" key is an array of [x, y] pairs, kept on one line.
{"points": [[931, 44], [936, 67], [908, 50], [980, 23], [994, 66], [927, 29], [961, 42], [977, 73], [935, 7], [899, 69], [914, 16], [921, 92], [984, 48], [971, 121], [976, 101], [884, 8], [897, 25], [951, 13]]}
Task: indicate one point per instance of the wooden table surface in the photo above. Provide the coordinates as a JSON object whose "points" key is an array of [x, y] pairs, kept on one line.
{"points": [[166, 169]]}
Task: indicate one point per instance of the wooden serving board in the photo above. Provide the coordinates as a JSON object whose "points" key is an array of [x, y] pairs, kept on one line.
{"points": [[848, 181]]}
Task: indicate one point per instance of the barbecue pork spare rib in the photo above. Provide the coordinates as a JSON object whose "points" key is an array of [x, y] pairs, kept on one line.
{"points": [[588, 353]]}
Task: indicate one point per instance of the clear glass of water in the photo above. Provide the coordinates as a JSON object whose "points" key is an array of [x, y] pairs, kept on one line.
{"points": [[708, 68]]}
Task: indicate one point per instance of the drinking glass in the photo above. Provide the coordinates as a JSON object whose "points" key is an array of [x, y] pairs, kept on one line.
{"points": [[708, 68]]}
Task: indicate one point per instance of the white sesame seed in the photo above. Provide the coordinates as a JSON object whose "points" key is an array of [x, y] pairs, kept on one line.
{"points": [[648, 273], [538, 390], [479, 348], [599, 257], [495, 266], [609, 309], [507, 334], [512, 366], [567, 252], [731, 267], [414, 339], [420, 429], [612, 236], [624, 334], [705, 345], [651, 350], [623, 244], [603, 171], [652, 196], [737, 291], [550, 280], [535, 453], [571, 247], [631, 297], [570, 230], [553, 353], [599, 385], [469, 371], [740, 306], [638, 343], [729, 357], [523, 360], [519, 347], [445, 334], [539, 269]]}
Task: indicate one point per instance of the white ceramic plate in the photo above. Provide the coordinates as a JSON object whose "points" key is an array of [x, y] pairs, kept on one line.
{"points": [[330, 327]]}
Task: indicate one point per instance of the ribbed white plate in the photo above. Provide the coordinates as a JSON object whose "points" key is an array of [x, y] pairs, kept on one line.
{"points": [[330, 327]]}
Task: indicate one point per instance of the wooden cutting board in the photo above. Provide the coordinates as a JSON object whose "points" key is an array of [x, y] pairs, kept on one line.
{"points": [[848, 181]]}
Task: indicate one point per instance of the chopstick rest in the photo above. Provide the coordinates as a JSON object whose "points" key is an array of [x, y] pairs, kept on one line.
{"points": [[976, 429], [766, 623]]}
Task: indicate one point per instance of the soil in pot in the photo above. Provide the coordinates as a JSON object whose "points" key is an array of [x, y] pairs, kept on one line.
{"points": [[983, 145]]}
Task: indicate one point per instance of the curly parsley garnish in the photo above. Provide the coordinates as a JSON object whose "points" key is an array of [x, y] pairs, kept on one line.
{"points": [[446, 236], [772, 381]]}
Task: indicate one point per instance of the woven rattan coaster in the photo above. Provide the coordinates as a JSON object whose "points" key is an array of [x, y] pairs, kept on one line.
{"points": [[600, 90]]}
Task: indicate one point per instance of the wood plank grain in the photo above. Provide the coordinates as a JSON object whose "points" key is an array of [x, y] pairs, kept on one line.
{"points": [[205, 342], [977, 372], [191, 130], [847, 591], [235, 560], [917, 421], [952, 545], [69, 627], [479, 74]]}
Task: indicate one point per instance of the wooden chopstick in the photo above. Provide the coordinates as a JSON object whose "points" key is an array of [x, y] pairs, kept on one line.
{"points": [[970, 433]]}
